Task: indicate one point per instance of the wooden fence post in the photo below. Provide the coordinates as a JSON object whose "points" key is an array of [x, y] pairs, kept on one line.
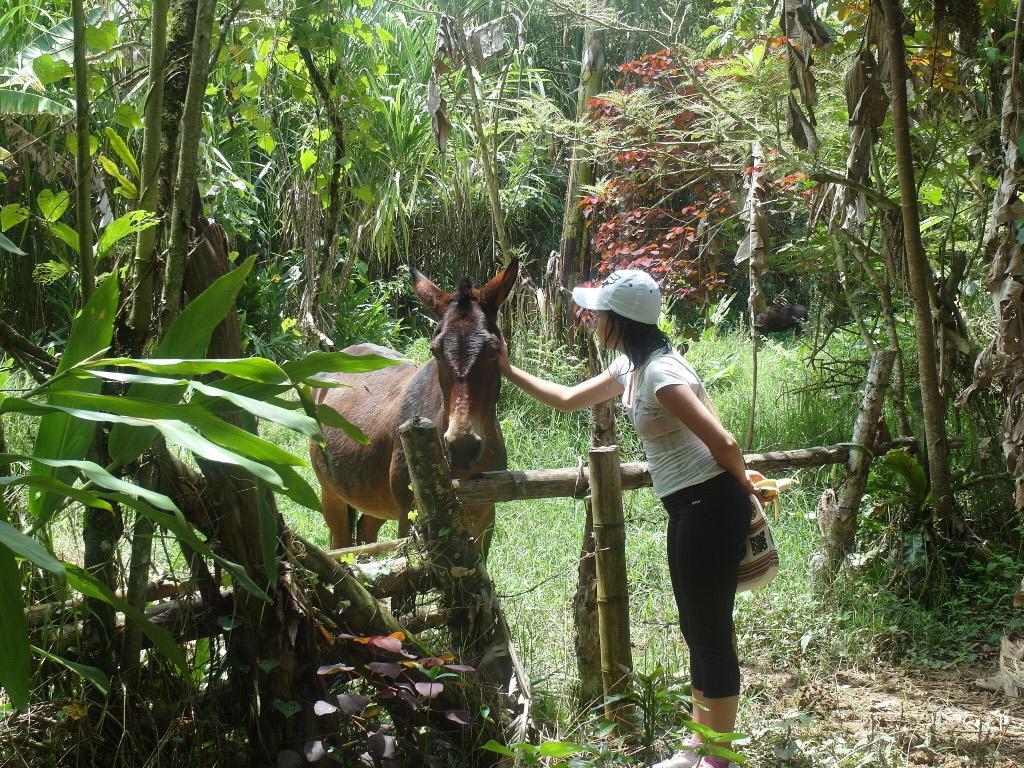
{"points": [[467, 593], [612, 587]]}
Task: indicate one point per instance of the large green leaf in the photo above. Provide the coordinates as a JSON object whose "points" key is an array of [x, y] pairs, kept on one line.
{"points": [[14, 650], [11, 215], [99, 476], [330, 417], [53, 205], [60, 436], [28, 548], [94, 675], [65, 234], [121, 227], [176, 432], [336, 362], [297, 489], [156, 506], [10, 247], [188, 337], [122, 151], [89, 586], [21, 103], [256, 369], [217, 430], [210, 395], [57, 40], [46, 484]]}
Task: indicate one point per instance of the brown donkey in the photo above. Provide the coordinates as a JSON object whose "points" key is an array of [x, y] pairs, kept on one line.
{"points": [[457, 390]]}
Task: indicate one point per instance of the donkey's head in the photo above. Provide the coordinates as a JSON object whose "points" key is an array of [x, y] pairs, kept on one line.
{"points": [[465, 344]]}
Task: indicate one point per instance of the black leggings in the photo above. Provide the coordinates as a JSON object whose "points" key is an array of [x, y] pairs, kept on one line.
{"points": [[707, 529]]}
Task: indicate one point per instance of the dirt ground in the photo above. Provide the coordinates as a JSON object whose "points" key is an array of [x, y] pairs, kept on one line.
{"points": [[887, 717]]}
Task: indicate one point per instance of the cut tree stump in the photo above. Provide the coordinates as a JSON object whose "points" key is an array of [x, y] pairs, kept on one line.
{"points": [[466, 590]]}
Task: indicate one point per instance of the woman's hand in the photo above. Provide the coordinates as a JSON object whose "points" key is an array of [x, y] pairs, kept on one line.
{"points": [[753, 476], [503, 363]]}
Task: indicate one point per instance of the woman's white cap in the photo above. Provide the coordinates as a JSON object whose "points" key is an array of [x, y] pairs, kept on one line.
{"points": [[628, 292]]}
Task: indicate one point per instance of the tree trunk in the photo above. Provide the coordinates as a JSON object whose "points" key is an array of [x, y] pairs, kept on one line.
{"points": [[149, 180], [140, 322], [185, 174], [83, 161], [838, 539], [892, 253], [575, 239], [752, 249], [100, 527], [320, 265], [181, 30], [933, 405], [241, 511]]}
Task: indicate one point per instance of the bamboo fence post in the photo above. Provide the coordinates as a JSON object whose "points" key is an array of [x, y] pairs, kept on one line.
{"points": [[612, 587], [586, 637]]}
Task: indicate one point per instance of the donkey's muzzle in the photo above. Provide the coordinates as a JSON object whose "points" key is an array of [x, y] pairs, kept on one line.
{"points": [[465, 450]]}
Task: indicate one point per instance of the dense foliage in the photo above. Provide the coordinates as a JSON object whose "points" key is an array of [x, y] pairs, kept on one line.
{"points": [[746, 153]]}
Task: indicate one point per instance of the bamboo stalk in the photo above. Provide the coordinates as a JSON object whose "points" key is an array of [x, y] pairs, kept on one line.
{"points": [[612, 585], [149, 177], [184, 183], [376, 548]]}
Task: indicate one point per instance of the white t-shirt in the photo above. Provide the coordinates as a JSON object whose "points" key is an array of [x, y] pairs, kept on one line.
{"points": [[677, 457]]}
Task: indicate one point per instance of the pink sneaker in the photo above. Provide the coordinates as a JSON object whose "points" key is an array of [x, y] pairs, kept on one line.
{"points": [[715, 762], [685, 758]]}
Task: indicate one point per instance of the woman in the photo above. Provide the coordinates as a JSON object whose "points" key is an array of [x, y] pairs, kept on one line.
{"points": [[697, 470]]}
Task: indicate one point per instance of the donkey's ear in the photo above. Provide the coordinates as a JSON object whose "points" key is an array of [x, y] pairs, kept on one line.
{"points": [[432, 297], [500, 286]]}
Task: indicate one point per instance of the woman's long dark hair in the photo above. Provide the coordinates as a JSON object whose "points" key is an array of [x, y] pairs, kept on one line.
{"points": [[639, 340]]}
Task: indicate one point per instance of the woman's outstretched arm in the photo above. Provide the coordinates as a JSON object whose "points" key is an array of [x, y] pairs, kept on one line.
{"points": [[585, 394]]}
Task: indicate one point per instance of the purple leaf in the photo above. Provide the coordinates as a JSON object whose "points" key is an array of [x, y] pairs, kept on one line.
{"points": [[460, 668], [324, 708], [429, 690], [431, 661], [387, 668], [382, 745], [288, 758], [365, 759], [333, 669], [314, 750], [387, 643], [459, 716], [409, 698], [352, 703]]}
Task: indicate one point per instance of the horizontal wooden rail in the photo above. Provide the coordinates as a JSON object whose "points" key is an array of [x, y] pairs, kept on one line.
{"points": [[574, 482]]}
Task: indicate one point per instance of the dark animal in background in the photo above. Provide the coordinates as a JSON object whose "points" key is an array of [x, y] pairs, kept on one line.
{"points": [[780, 317]]}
